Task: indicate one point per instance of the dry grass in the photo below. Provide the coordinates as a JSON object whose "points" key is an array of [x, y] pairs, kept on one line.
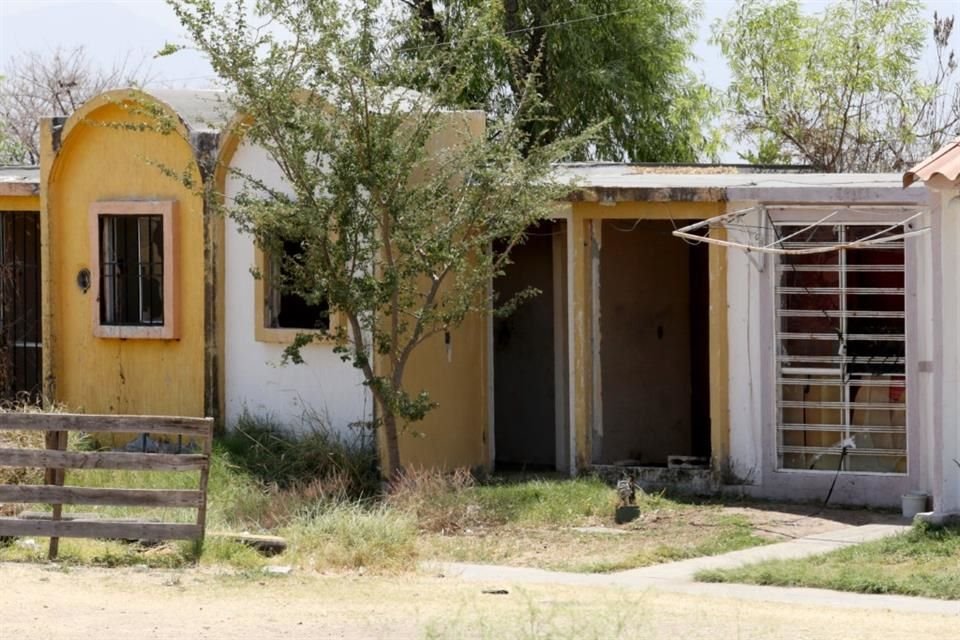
{"points": [[21, 440], [596, 545], [561, 524]]}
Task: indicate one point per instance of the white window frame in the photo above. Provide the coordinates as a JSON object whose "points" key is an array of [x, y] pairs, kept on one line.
{"points": [[866, 216]]}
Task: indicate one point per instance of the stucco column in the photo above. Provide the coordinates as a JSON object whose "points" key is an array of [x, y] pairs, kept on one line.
{"points": [[581, 371], [946, 472]]}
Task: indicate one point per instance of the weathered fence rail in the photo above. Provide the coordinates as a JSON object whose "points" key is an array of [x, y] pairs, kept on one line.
{"points": [[55, 461]]}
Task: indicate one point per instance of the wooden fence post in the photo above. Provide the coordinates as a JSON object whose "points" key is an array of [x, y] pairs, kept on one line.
{"points": [[56, 440]]}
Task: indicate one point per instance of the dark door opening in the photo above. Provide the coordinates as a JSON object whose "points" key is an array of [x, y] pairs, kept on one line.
{"points": [[20, 329], [529, 355], [654, 345]]}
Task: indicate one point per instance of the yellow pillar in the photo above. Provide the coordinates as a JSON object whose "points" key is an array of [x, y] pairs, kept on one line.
{"points": [[581, 356], [719, 354]]}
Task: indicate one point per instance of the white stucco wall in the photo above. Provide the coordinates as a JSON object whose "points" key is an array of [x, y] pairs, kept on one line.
{"points": [[747, 350], [752, 371], [946, 440], [254, 378]]}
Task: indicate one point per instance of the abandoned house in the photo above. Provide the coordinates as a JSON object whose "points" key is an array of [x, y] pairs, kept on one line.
{"points": [[703, 364]]}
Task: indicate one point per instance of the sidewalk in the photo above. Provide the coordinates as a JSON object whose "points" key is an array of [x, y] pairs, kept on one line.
{"points": [[677, 577]]}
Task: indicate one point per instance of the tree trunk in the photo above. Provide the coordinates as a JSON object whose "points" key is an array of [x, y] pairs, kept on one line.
{"points": [[393, 445]]}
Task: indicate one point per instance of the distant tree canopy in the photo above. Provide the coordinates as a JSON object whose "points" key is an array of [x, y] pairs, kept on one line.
{"points": [[843, 90], [37, 84], [620, 62]]}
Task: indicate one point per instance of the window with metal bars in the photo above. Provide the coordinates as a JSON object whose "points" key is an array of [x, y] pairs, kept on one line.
{"points": [[131, 270], [841, 351], [20, 322]]}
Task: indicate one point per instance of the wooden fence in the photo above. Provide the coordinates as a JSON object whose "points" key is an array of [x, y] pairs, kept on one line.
{"points": [[55, 460]]}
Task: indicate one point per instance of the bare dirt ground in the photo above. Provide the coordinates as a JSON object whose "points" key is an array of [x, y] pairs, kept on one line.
{"points": [[787, 521], [42, 601]]}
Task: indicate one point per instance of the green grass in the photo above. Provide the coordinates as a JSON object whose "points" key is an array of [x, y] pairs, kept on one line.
{"points": [[321, 497], [924, 561], [353, 536]]}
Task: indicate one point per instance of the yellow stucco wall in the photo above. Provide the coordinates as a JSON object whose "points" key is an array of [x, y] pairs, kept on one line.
{"points": [[454, 434], [119, 376], [20, 203]]}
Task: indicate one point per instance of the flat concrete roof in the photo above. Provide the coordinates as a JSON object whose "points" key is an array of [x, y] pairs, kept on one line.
{"points": [[612, 182], [19, 181]]}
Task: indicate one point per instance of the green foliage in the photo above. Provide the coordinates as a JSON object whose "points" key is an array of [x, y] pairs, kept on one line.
{"points": [[920, 562], [393, 200], [841, 90], [622, 63], [277, 456]]}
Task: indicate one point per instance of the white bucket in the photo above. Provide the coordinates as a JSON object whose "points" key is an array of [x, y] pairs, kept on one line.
{"points": [[914, 502]]}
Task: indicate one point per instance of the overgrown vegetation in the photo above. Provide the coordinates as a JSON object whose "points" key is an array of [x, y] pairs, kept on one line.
{"points": [[345, 465], [921, 562], [561, 524], [322, 493]]}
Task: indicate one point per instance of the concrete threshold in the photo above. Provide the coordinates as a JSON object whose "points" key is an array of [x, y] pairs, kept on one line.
{"points": [[677, 577]]}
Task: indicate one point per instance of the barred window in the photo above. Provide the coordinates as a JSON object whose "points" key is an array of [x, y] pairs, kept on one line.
{"points": [[841, 360], [133, 269]]}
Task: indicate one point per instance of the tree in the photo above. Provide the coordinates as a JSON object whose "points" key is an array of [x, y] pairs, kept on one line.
{"points": [[620, 62], [395, 237], [38, 84], [841, 90]]}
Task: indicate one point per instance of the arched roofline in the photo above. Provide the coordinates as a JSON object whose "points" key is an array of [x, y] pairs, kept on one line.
{"points": [[230, 140], [120, 97]]}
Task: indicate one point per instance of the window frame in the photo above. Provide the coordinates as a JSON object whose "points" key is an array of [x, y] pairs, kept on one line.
{"points": [[167, 210], [854, 215], [263, 291]]}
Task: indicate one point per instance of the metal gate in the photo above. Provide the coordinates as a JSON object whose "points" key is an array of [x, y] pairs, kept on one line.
{"points": [[20, 329]]}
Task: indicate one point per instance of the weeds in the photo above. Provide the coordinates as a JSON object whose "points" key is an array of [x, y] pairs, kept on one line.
{"points": [[22, 440], [353, 536], [450, 502], [277, 456]]}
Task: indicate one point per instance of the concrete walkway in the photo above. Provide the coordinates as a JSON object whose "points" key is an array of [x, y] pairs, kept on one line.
{"points": [[677, 577]]}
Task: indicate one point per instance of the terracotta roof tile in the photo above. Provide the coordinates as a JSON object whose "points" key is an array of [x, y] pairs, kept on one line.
{"points": [[942, 166]]}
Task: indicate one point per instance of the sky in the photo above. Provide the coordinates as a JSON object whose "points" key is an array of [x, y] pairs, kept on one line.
{"points": [[111, 30]]}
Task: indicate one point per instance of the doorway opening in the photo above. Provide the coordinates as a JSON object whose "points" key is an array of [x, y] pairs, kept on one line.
{"points": [[654, 346], [531, 428]]}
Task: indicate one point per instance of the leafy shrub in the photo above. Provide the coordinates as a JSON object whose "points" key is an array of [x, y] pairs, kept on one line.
{"points": [[317, 459]]}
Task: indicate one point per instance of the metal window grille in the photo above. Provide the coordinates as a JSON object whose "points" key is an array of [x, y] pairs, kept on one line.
{"points": [[20, 329], [131, 270], [841, 361]]}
